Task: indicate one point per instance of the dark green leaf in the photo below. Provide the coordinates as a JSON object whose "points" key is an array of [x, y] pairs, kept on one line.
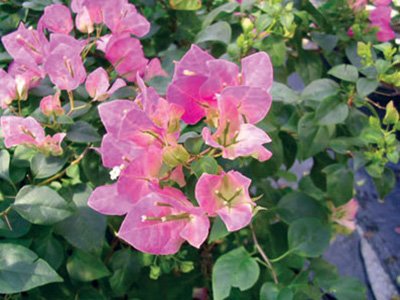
{"points": [[22, 270], [331, 111], [320, 89], [366, 86], [218, 230], [83, 266], [83, 132], [308, 237], [45, 166], [41, 205]]}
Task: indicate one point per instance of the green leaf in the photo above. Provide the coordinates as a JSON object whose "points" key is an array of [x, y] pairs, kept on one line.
{"points": [[5, 165], [309, 66], [340, 183], [345, 72], [86, 228], [218, 32], [205, 164], [41, 205], [331, 111], [392, 115], [308, 237], [297, 205], [126, 269], [19, 226], [234, 269], [269, 291], [185, 4], [50, 249], [83, 132], [86, 267], [218, 230], [227, 8], [283, 93], [45, 166], [348, 288], [366, 86], [22, 270], [320, 89], [313, 138]]}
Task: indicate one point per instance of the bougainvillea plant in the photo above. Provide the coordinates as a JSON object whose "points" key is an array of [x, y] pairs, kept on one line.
{"points": [[192, 149]]}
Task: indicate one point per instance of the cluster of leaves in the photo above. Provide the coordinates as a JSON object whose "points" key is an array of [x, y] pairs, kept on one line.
{"points": [[328, 125]]}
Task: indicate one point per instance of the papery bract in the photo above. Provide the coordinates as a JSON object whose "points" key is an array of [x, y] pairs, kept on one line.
{"points": [[24, 44], [126, 55], [106, 200], [141, 175], [112, 114], [121, 17], [8, 91], [345, 215], [28, 131], [199, 79], [234, 137], [51, 105], [57, 18], [160, 222], [226, 195], [98, 85], [380, 17], [64, 64]]}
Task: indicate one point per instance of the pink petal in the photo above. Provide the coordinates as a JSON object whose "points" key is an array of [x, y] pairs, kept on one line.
{"points": [[193, 63], [222, 74], [116, 152], [83, 21], [97, 83], [17, 130], [249, 143], [257, 71], [7, 89], [119, 83], [252, 103], [122, 17], [57, 18], [185, 92], [155, 237], [154, 69], [113, 112], [178, 176], [237, 217], [196, 230], [205, 193], [51, 105], [106, 200]]}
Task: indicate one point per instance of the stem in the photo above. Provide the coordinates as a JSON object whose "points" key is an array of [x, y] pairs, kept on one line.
{"points": [[71, 102], [19, 107], [282, 256], [374, 103], [60, 174], [263, 255]]}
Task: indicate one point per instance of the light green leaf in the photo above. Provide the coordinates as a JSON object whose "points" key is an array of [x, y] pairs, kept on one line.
{"points": [[218, 32], [345, 72], [227, 8], [5, 165], [185, 4], [283, 93], [269, 291], [320, 89], [218, 230], [22, 270], [205, 164], [41, 205], [234, 269]]}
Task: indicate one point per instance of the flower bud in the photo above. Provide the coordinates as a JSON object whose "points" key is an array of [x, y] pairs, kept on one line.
{"points": [[247, 25], [175, 155], [155, 272], [186, 266]]}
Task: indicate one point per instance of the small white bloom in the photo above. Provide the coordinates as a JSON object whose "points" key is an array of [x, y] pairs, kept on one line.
{"points": [[115, 172]]}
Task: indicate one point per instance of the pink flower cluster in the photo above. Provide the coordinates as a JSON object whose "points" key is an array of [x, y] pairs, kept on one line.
{"points": [[142, 148], [51, 50]]}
